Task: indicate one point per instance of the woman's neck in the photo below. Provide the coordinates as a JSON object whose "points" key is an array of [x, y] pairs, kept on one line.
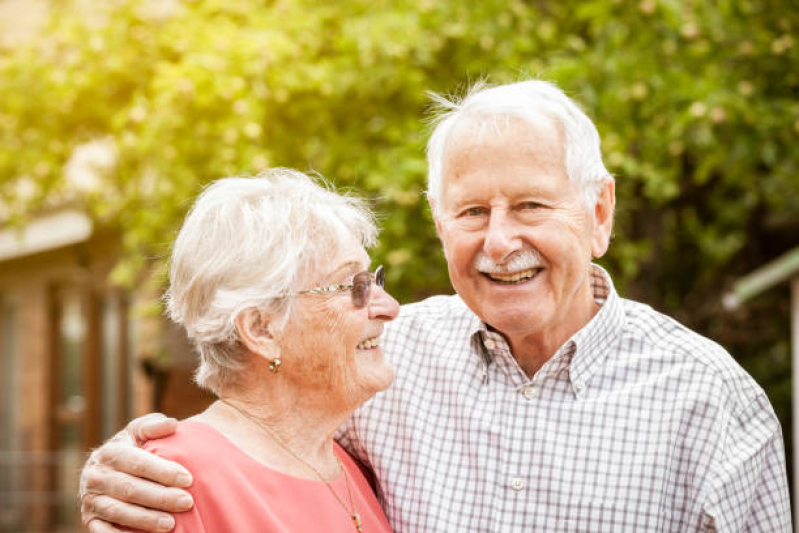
{"points": [[285, 431]]}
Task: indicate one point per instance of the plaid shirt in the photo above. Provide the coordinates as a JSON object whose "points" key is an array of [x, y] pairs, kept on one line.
{"points": [[635, 424]]}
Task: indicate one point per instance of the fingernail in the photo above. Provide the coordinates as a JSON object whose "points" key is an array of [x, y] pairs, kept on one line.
{"points": [[185, 502], [184, 480], [166, 523]]}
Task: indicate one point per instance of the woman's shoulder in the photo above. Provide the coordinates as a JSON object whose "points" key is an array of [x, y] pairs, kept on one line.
{"points": [[192, 443]]}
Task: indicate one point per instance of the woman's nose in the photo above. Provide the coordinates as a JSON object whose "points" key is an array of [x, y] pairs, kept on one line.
{"points": [[382, 306]]}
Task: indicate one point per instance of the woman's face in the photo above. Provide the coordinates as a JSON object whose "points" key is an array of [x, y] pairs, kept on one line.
{"points": [[331, 347]]}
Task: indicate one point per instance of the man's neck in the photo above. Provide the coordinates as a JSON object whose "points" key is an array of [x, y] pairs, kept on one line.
{"points": [[534, 350]]}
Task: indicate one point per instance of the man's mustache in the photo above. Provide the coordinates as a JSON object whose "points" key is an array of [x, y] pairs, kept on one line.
{"points": [[518, 261]]}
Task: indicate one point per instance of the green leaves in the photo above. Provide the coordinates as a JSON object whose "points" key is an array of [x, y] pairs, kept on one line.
{"points": [[695, 102]]}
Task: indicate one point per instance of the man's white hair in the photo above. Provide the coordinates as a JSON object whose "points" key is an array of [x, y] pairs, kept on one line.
{"points": [[245, 243], [488, 110]]}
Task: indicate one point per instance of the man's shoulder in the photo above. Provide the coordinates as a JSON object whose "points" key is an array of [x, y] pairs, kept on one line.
{"points": [[664, 336], [433, 311], [433, 305], [440, 327], [663, 330]]}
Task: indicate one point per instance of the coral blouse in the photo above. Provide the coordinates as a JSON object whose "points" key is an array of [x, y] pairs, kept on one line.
{"points": [[234, 492]]}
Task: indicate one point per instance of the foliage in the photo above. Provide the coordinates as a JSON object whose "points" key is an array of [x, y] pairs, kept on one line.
{"points": [[696, 102]]}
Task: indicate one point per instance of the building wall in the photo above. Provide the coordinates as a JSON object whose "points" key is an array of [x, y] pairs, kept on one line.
{"points": [[42, 463], [52, 436]]}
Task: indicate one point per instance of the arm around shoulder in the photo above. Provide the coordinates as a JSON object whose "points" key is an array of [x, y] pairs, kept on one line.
{"points": [[123, 484]]}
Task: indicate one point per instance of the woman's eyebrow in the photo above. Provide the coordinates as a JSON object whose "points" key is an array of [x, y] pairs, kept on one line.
{"points": [[350, 267]]}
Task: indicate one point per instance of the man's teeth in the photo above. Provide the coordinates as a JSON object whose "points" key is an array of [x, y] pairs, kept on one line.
{"points": [[368, 343], [524, 275]]}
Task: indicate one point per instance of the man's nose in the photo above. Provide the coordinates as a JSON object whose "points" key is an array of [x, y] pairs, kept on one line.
{"points": [[502, 237], [382, 306]]}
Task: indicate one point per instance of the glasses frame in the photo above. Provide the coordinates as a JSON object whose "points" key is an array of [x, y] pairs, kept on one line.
{"points": [[378, 277]]}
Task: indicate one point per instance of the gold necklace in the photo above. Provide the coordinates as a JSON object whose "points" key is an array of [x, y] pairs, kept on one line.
{"points": [[352, 512]]}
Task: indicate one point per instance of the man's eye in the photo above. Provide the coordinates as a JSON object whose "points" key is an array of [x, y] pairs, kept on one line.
{"points": [[474, 212], [529, 205]]}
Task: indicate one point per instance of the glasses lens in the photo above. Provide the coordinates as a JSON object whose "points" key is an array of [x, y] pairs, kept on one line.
{"points": [[380, 276], [360, 288], [362, 283]]}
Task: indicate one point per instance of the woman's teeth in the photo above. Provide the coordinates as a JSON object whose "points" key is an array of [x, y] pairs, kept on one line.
{"points": [[368, 343], [514, 277]]}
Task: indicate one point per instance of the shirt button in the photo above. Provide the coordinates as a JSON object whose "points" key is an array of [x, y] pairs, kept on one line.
{"points": [[528, 392], [579, 386], [517, 483], [490, 344]]}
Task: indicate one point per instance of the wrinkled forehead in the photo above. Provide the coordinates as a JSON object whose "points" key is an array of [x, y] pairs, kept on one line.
{"points": [[502, 141], [339, 257], [471, 131]]}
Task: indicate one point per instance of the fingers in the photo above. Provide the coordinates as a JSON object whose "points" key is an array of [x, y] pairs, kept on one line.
{"points": [[151, 426], [97, 526], [113, 493], [139, 463], [104, 508], [133, 490]]}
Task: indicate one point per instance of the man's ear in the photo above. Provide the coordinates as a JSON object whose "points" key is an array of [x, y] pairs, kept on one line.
{"points": [[603, 217], [254, 327]]}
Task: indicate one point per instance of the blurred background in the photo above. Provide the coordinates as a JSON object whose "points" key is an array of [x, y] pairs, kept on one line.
{"points": [[114, 115]]}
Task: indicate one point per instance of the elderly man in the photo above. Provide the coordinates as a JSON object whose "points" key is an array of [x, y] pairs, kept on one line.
{"points": [[536, 399]]}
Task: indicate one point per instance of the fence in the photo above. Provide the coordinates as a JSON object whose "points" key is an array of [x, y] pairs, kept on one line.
{"points": [[38, 491]]}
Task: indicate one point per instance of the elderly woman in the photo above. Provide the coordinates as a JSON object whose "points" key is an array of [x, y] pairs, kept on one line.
{"points": [[269, 277]]}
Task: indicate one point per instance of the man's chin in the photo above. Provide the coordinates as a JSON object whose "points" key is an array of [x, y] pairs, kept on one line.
{"points": [[504, 299], [511, 316]]}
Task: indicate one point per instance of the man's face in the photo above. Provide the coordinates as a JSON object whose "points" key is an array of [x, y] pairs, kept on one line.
{"points": [[517, 234]]}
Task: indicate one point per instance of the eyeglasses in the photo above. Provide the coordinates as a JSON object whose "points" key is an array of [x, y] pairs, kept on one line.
{"points": [[360, 286]]}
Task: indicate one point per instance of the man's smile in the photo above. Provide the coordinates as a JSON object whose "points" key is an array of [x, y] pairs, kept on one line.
{"points": [[513, 278]]}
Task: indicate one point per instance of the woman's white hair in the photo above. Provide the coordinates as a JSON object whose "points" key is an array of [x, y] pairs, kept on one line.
{"points": [[245, 243], [489, 108]]}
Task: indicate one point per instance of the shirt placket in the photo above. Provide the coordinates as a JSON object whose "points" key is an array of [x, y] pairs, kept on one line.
{"points": [[515, 397]]}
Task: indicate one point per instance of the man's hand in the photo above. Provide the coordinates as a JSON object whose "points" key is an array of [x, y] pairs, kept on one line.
{"points": [[114, 486]]}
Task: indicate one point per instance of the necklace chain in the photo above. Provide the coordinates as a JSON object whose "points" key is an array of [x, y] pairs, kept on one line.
{"points": [[352, 512]]}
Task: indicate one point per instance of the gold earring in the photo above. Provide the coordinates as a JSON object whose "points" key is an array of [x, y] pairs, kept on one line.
{"points": [[274, 365]]}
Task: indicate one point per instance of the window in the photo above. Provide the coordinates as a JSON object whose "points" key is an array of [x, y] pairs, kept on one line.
{"points": [[115, 380], [10, 453], [70, 409]]}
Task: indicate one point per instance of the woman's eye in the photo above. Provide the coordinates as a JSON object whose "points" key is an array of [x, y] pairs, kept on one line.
{"points": [[530, 205]]}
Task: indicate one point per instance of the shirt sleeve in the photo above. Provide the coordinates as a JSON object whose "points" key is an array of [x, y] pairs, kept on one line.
{"points": [[748, 486]]}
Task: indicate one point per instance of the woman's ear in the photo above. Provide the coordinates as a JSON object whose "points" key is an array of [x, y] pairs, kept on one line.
{"points": [[254, 326]]}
